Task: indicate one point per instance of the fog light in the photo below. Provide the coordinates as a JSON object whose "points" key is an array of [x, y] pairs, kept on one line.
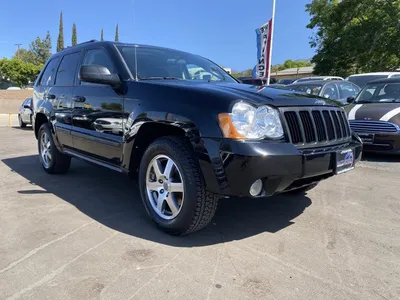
{"points": [[256, 188]]}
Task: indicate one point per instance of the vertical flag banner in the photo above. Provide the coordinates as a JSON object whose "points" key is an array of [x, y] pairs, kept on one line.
{"points": [[263, 50]]}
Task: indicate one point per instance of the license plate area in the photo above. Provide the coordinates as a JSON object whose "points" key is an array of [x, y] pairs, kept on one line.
{"points": [[367, 138], [344, 161]]}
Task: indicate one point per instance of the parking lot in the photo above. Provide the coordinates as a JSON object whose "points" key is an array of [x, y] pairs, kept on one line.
{"points": [[85, 235]]}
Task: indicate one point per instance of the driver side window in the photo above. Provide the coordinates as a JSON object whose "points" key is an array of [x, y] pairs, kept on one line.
{"points": [[98, 57], [331, 92]]}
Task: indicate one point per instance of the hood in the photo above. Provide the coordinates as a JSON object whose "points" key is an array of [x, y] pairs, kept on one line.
{"points": [[389, 112], [253, 94]]}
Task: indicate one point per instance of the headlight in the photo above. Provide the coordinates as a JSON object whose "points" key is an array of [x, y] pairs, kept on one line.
{"points": [[248, 122]]}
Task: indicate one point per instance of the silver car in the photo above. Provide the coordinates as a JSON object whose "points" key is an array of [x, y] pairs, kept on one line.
{"points": [[25, 113]]}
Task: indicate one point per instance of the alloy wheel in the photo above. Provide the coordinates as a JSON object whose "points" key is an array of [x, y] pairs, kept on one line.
{"points": [[164, 187], [45, 149]]}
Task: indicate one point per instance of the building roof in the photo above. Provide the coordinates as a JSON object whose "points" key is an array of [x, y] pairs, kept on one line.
{"points": [[295, 71]]}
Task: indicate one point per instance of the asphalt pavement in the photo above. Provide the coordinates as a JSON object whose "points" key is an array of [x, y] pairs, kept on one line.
{"points": [[85, 235]]}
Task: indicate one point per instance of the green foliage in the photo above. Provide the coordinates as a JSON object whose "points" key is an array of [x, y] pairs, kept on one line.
{"points": [[102, 35], [116, 34], [25, 55], [18, 71], [74, 36], [60, 40], [353, 36], [41, 49], [245, 73]]}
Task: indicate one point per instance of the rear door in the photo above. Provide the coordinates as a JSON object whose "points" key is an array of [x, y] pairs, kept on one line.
{"points": [[60, 95], [98, 115]]}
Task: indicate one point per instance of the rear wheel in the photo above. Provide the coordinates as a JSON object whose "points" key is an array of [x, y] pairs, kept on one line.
{"points": [[21, 123], [173, 189], [52, 160]]}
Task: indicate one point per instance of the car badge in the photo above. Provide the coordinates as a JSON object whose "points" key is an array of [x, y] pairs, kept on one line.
{"points": [[367, 119], [321, 102]]}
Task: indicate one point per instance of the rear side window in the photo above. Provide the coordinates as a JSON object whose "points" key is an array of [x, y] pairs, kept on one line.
{"points": [[49, 72], [67, 69]]}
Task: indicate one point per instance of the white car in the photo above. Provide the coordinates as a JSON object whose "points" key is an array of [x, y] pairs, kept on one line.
{"points": [[313, 78], [362, 79]]}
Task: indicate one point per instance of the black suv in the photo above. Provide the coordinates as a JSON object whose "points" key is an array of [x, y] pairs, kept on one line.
{"points": [[189, 131]]}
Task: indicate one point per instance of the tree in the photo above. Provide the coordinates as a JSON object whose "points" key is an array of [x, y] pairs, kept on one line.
{"points": [[102, 35], [41, 49], [19, 72], [25, 55], [355, 36], [74, 36], [60, 40], [116, 34]]}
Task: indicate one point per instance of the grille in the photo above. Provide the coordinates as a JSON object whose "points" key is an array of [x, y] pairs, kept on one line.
{"points": [[315, 125], [372, 126]]}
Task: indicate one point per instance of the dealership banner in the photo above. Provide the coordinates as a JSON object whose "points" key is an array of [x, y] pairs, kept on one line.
{"points": [[263, 50]]}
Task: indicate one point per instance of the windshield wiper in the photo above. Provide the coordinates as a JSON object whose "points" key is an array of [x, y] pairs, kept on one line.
{"points": [[160, 78]]}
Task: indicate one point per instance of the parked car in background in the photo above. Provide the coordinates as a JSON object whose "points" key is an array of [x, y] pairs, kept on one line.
{"points": [[375, 115], [25, 113], [13, 88], [335, 90], [256, 81], [315, 78], [286, 81], [362, 79]]}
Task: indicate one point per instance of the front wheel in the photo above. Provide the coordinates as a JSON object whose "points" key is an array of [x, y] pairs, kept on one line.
{"points": [[173, 189], [52, 160], [21, 123]]}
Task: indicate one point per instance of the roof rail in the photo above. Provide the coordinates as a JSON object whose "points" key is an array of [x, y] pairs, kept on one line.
{"points": [[87, 42]]}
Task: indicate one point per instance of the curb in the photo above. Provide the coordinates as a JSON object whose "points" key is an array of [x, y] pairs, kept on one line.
{"points": [[9, 120]]}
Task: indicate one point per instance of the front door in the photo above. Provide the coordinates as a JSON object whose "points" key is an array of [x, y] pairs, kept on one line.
{"points": [[98, 114]]}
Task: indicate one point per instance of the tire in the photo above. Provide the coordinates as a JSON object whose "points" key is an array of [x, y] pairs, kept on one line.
{"points": [[21, 123], [196, 206], [55, 162], [304, 189]]}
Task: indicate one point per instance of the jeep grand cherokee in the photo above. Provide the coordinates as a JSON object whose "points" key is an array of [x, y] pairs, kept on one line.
{"points": [[189, 131]]}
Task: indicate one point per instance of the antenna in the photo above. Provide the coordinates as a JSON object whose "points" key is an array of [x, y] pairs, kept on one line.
{"points": [[137, 78]]}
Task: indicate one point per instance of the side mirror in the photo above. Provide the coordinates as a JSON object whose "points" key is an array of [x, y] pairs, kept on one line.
{"points": [[98, 74], [350, 99]]}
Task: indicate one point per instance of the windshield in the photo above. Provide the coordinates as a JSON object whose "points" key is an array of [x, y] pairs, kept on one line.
{"points": [[311, 89], [361, 81], [158, 63], [380, 93]]}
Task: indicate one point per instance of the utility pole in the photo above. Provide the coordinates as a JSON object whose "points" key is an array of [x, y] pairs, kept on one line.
{"points": [[18, 45]]}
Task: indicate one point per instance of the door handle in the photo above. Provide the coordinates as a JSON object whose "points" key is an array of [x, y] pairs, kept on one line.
{"points": [[79, 99], [50, 97]]}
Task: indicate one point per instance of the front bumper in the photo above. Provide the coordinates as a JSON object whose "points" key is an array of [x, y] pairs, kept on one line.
{"points": [[280, 166], [387, 143]]}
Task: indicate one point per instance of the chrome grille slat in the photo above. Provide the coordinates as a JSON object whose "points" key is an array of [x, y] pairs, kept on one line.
{"points": [[315, 126], [373, 126]]}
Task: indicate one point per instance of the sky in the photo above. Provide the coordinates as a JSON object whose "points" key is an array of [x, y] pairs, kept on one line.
{"points": [[221, 30]]}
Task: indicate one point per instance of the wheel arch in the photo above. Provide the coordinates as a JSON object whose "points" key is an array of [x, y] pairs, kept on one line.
{"points": [[149, 131]]}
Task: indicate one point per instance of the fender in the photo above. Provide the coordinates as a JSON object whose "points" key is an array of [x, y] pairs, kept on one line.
{"points": [[45, 108], [144, 127]]}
